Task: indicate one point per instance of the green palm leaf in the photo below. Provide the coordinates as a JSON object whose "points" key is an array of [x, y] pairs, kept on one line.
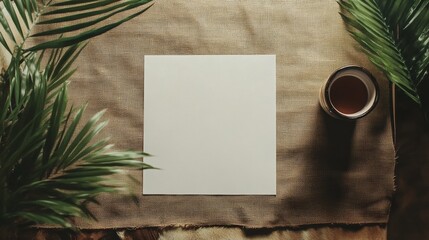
{"points": [[50, 167], [395, 36], [20, 20]]}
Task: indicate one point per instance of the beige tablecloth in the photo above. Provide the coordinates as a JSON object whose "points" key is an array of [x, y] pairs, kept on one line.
{"points": [[328, 171]]}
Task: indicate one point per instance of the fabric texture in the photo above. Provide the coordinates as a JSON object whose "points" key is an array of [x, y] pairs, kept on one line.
{"points": [[328, 171]]}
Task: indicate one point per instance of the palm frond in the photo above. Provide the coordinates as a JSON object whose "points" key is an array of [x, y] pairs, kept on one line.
{"points": [[21, 20], [395, 36], [50, 167]]}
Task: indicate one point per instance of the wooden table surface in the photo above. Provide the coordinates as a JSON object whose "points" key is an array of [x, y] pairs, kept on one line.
{"points": [[376, 232]]}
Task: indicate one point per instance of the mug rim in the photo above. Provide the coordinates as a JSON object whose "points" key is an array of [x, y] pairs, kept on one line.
{"points": [[332, 77]]}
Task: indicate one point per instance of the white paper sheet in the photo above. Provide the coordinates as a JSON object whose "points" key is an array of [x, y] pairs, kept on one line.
{"points": [[210, 122]]}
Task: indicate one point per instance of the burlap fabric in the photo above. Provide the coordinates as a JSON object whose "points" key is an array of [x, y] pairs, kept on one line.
{"points": [[328, 171]]}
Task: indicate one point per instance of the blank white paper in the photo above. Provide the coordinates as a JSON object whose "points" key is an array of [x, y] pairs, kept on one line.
{"points": [[210, 124]]}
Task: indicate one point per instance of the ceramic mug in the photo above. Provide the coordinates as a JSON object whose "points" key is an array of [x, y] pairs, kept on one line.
{"points": [[350, 92]]}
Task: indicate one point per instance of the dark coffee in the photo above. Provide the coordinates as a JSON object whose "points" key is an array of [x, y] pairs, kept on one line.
{"points": [[348, 94]]}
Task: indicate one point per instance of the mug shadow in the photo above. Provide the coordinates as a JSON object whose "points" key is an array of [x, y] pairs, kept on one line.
{"points": [[328, 157]]}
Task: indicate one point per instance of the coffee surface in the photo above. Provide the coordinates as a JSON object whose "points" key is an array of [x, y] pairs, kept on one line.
{"points": [[348, 94]]}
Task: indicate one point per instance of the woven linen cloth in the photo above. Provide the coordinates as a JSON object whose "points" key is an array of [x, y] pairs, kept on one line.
{"points": [[328, 171]]}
